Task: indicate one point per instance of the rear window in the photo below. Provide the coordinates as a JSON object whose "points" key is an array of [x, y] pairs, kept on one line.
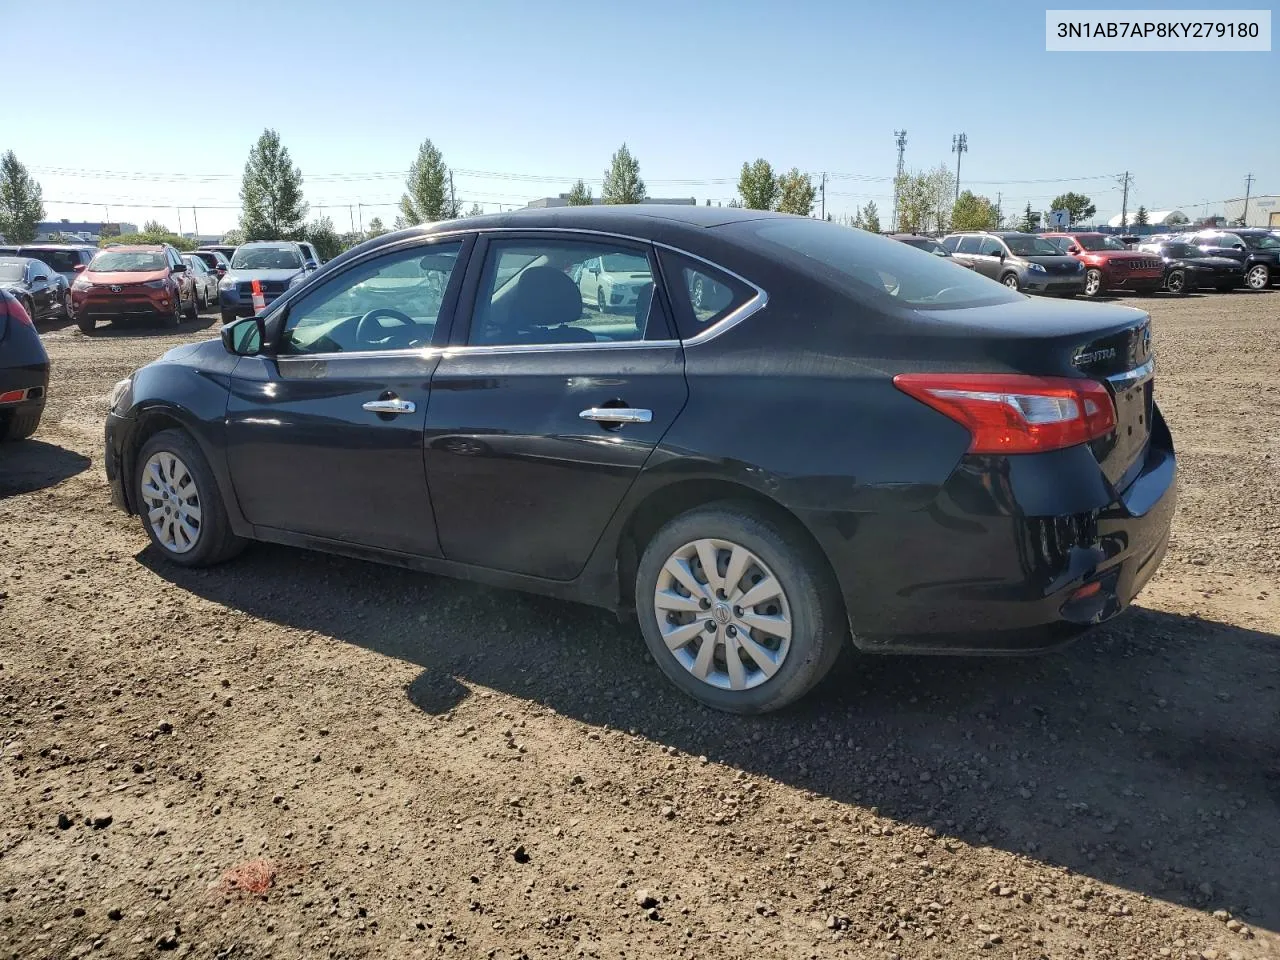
{"points": [[121, 261], [871, 267], [11, 270]]}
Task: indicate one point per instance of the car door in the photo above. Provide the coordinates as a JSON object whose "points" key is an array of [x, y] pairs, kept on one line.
{"points": [[543, 412], [324, 435]]}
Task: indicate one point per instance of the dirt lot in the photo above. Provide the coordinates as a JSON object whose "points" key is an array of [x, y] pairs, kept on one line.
{"points": [[302, 756]]}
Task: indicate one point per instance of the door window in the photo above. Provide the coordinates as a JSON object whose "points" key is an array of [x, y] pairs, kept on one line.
{"points": [[969, 245], [990, 247], [535, 292], [951, 243], [389, 303]]}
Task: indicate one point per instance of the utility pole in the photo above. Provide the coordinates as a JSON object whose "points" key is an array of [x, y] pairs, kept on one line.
{"points": [[1124, 203], [179, 221], [999, 212], [900, 138], [959, 145], [453, 199], [351, 213], [196, 217], [1248, 188], [360, 210], [824, 196]]}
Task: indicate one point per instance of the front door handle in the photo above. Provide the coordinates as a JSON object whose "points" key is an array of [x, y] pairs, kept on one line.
{"points": [[617, 415], [390, 406]]}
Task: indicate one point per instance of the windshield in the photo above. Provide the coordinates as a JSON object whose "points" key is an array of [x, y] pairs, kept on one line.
{"points": [[929, 246], [137, 261], [1028, 246], [869, 266], [625, 263], [1182, 250], [1100, 243], [13, 269], [1260, 242], [266, 258]]}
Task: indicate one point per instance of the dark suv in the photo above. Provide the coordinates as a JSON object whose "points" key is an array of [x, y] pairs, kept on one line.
{"points": [[1258, 249], [1021, 261], [66, 259]]}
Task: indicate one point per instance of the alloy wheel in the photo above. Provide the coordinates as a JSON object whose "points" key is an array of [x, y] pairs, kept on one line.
{"points": [[1092, 283], [172, 502], [1258, 277], [1176, 282], [1011, 281], [722, 614], [698, 293]]}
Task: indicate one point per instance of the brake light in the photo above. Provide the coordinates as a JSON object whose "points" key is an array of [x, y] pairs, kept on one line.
{"points": [[1016, 413], [18, 312]]}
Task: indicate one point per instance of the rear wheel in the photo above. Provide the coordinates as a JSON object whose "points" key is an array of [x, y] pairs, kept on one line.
{"points": [[1092, 282], [19, 424], [1176, 283], [177, 498], [29, 306], [193, 310], [1258, 277], [1010, 280], [66, 305], [739, 610]]}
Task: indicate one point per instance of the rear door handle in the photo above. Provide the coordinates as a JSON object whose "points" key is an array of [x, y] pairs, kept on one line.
{"points": [[617, 415], [390, 406]]}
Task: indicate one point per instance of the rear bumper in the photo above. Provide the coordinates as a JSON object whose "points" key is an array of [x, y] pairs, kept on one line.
{"points": [[1014, 555]]}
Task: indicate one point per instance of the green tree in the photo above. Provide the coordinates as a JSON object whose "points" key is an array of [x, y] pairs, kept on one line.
{"points": [[476, 210], [871, 217], [271, 192], [857, 220], [21, 201], [428, 197], [796, 193], [973, 213], [158, 236], [155, 226], [233, 237], [1078, 205], [1141, 218], [579, 195], [622, 183], [324, 237], [376, 229], [1030, 219], [758, 185]]}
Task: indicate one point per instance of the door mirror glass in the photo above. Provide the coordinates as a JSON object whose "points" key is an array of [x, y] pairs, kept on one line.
{"points": [[244, 337], [1073, 249]]}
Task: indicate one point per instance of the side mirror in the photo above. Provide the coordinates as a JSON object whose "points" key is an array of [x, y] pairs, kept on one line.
{"points": [[180, 268], [39, 278], [1073, 249], [595, 270], [244, 338], [1001, 254], [78, 267], [311, 265]]}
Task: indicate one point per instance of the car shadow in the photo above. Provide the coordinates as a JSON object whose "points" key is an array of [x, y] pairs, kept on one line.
{"points": [[1146, 756], [132, 327], [30, 465]]}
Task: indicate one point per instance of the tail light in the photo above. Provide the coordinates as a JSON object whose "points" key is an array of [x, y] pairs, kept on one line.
{"points": [[1016, 413], [16, 311]]}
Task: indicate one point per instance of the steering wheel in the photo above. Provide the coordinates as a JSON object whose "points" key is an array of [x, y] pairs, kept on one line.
{"points": [[369, 331]]}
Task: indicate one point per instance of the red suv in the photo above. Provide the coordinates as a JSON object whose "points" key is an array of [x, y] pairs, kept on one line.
{"points": [[1109, 264], [134, 281]]}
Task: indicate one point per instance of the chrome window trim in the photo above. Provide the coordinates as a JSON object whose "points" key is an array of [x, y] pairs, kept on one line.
{"points": [[758, 302]]}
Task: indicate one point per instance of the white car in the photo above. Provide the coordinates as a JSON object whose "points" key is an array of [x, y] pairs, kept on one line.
{"points": [[614, 281]]}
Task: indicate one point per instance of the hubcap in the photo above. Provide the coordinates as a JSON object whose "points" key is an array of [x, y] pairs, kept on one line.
{"points": [[1092, 282], [1175, 282], [1258, 277], [1011, 281], [172, 502], [697, 294], [745, 639]]}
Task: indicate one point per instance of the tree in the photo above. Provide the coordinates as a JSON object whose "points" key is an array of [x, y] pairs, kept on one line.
{"points": [[428, 197], [622, 183], [159, 236], [1141, 218], [758, 185], [1030, 219], [233, 237], [796, 193], [1078, 205], [155, 226], [579, 195], [376, 229], [857, 219], [21, 201], [476, 210], [1177, 219], [871, 216], [271, 192], [321, 234], [973, 213]]}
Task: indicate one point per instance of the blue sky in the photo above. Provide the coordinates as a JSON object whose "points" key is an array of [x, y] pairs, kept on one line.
{"points": [[550, 89]]}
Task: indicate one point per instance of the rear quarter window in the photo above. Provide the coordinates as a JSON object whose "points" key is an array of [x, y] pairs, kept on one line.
{"points": [[702, 295]]}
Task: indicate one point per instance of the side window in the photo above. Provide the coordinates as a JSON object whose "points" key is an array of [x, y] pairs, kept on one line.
{"points": [[951, 243], [969, 244], [702, 294], [389, 303], [564, 291], [990, 247]]}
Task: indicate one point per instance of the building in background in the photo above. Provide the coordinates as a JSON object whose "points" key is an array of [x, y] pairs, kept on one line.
{"points": [[563, 201], [1264, 211], [86, 232]]}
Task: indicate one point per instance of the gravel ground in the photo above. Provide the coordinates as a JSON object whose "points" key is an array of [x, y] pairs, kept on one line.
{"points": [[297, 755]]}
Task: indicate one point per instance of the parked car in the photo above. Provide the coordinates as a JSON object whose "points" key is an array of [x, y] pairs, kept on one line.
{"points": [[204, 280], [1188, 268], [1002, 478], [66, 259], [144, 280], [24, 371], [1109, 263], [42, 292], [613, 282], [1256, 248], [928, 245], [214, 260], [310, 254], [1021, 261], [274, 265], [228, 250]]}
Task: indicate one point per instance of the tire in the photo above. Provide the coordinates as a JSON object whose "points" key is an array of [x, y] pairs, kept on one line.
{"points": [[28, 306], [600, 299], [1010, 280], [808, 600], [19, 424], [1176, 283], [202, 301], [1258, 277], [1092, 282], [86, 324], [213, 541], [228, 317], [193, 311], [66, 305]]}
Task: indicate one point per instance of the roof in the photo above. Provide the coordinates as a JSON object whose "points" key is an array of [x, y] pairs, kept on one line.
{"points": [[615, 217], [136, 247], [56, 246]]}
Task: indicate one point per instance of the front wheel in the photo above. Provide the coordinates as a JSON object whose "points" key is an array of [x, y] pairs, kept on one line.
{"points": [[1010, 280], [1092, 282], [177, 498], [1258, 277], [738, 609], [1176, 283]]}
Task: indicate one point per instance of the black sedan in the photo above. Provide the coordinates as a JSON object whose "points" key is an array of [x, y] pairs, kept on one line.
{"points": [[42, 292], [850, 441], [1188, 268], [24, 371]]}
